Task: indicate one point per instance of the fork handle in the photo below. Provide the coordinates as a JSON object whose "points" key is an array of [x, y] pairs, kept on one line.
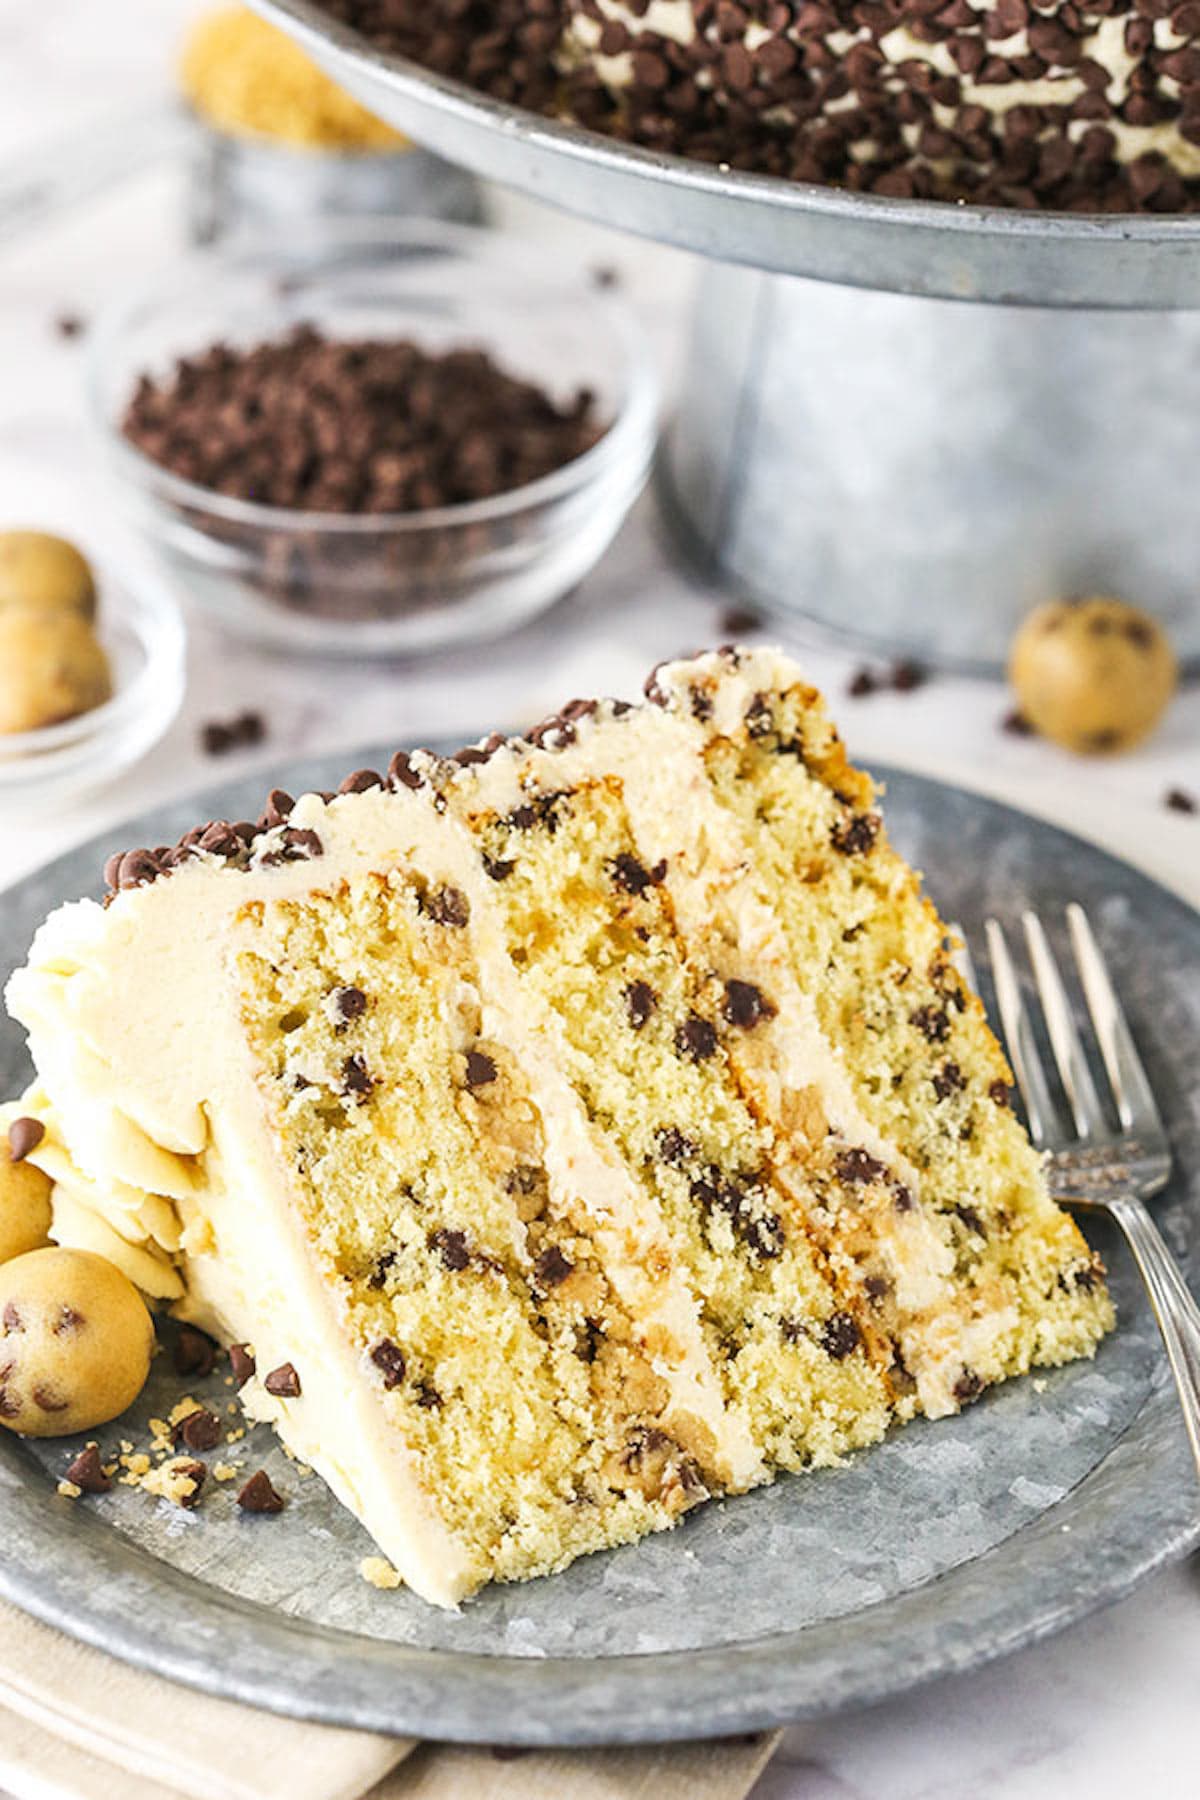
{"points": [[1174, 1305]]}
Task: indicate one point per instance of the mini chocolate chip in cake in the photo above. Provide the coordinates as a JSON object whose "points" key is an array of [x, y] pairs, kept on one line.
{"points": [[858, 1165], [745, 1005], [947, 1080], [348, 1003], [856, 835], [258, 1495], [968, 1387], [763, 1236], [357, 1082], [195, 1352], [551, 1267], [876, 1288], [696, 1038], [760, 721], [630, 875], [24, 1135], [673, 1146], [389, 1360], [283, 1382], [640, 1003], [86, 1471], [481, 1070], [198, 1430], [840, 1335], [1000, 1093], [427, 1396], [902, 1199], [448, 906], [241, 1361], [970, 1218], [933, 1023], [451, 1246], [498, 868]]}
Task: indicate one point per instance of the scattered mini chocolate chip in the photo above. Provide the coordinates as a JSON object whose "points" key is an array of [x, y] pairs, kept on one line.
{"points": [[481, 1070], [630, 875], [186, 1469], [741, 621], [24, 1135], [1180, 801], [1000, 1093], [451, 1246], [673, 1146], [605, 277], [968, 1387], [745, 1005], [947, 1080], [933, 1023], [551, 1267], [856, 835], [241, 1361], [199, 1430], [640, 1002], [389, 1360], [696, 1038], [258, 1495], [356, 1079], [1017, 725], [857, 1165], [840, 1335], [448, 906], [349, 1003], [87, 1472], [906, 675], [216, 738], [862, 684], [284, 1382], [195, 1353], [69, 325]]}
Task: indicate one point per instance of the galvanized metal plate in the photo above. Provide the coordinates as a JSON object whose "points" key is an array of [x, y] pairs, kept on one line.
{"points": [[945, 1546], [796, 228]]}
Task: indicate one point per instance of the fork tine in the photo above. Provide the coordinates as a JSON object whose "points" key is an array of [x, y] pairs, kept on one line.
{"points": [[961, 957], [1022, 1047], [1127, 1077], [1073, 1068]]}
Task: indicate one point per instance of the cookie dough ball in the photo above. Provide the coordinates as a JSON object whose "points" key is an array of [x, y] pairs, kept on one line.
{"points": [[1092, 674], [75, 1342], [24, 1202], [46, 574], [52, 667]]}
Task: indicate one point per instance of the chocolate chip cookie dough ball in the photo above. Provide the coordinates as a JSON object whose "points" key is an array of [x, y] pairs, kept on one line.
{"points": [[24, 1190], [46, 574], [52, 667], [75, 1342], [1092, 674]]}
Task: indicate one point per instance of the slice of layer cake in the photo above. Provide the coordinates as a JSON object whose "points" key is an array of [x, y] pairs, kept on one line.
{"points": [[573, 1129]]}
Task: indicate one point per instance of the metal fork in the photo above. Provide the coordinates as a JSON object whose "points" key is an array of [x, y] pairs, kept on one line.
{"points": [[1092, 1165]]}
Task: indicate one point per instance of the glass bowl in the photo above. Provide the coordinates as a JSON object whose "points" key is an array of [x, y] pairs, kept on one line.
{"points": [[140, 626], [353, 583]]}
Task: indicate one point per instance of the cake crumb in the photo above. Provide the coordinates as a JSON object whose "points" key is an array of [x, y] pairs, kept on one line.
{"points": [[179, 1480], [224, 1471], [69, 1491], [379, 1572]]}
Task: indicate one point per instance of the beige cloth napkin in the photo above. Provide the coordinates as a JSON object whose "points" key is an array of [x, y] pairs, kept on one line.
{"points": [[76, 1724]]}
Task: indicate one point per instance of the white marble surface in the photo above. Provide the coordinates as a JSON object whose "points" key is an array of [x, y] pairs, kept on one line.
{"points": [[1107, 1710]]}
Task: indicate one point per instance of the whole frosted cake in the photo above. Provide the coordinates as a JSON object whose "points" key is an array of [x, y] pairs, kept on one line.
{"points": [[571, 1129], [1091, 106]]}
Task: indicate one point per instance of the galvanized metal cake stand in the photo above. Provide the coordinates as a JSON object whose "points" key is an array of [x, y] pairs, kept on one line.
{"points": [[872, 455]]}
